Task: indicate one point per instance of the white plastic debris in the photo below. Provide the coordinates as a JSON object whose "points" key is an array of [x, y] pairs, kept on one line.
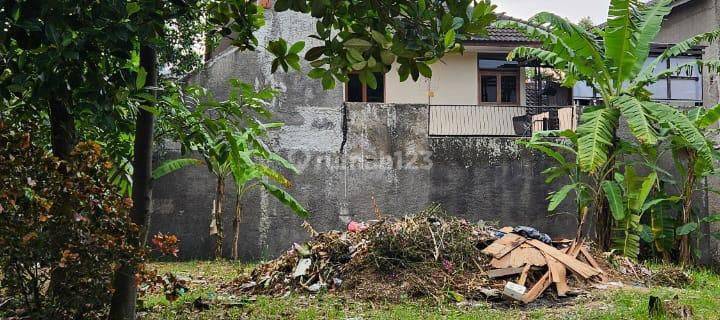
{"points": [[302, 267], [514, 290]]}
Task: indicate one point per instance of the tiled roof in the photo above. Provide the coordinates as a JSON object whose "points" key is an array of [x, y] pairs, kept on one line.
{"points": [[509, 35], [503, 35]]}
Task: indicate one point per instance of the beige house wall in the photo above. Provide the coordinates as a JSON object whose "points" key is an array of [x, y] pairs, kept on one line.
{"points": [[454, 82]]}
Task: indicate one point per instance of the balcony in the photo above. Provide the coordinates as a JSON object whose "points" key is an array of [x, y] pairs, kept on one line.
{"points": [[499, 121]]}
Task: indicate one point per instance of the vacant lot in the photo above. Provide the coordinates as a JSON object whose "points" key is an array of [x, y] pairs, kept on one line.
{"points": [[703, 296]]}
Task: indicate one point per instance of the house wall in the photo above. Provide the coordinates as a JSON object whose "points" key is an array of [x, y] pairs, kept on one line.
{"points": [[687, 20], [454, 82]]}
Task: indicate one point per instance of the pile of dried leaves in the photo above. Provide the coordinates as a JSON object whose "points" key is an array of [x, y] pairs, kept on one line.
{"points": [[428, 254]]}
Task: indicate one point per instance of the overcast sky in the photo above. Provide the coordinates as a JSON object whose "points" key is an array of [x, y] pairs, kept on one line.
{"points": [[572, 9]]}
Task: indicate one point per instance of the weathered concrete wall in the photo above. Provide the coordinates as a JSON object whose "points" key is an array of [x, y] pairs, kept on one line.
{"points": [[387, 154], [685, 21]]}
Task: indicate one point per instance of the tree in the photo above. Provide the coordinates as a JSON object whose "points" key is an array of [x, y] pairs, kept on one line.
{"points": [[586, 23], [612, 62], [228, 136], [100, 57]]}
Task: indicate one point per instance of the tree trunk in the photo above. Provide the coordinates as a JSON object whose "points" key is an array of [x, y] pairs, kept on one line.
{"points": [[63, 134], [603, 224], [63, 138], [236, 225], [125, 295], [219, 198], [685, 257]]}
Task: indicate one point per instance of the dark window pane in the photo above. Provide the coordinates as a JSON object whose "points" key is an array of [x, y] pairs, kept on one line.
{"points": [[509, 89], [354, 89], [378, 94], [488, 86]]}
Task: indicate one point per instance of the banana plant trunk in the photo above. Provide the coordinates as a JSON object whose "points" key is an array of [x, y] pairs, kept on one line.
{"points": [[236, 225], [604, 218], [219, 199], [685, 257]]}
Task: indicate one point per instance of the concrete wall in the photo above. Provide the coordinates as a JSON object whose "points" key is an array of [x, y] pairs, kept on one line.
{"points": [[385, 153]]}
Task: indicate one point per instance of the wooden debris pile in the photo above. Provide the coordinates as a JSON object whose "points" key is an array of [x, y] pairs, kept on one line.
{"points": [[538, 265]]}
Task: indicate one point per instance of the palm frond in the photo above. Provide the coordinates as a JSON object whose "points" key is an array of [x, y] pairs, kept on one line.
{"points": [[586, 52], [638, 118], [684, 128], [708, 117], [595, 137], [286, 199], [620, 38], [648, 29], [626, 236], [171, 166]]}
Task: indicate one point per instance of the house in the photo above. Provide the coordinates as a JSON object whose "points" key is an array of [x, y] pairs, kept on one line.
{"points": [[449, 140]]}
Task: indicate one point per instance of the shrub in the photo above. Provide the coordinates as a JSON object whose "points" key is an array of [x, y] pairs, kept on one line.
{"points": [[64, 229]]}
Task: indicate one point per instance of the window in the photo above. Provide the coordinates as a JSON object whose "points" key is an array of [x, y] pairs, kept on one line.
{"points": [[499, 87], [685, 85], [499, 79], [356, 91]]}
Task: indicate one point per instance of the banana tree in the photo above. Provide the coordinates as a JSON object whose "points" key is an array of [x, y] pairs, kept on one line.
{"points": [[228, 136], [692, 167], [612, 61], [627, 197]]}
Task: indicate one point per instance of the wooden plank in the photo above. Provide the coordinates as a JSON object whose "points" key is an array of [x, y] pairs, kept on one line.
{"points": [[499, 273], [579, 267], [537, 289], [524, 275], [519, 257], [545, 281], [593, 262], [506, 229], [502, 246], [590, 259], [558, 274]]}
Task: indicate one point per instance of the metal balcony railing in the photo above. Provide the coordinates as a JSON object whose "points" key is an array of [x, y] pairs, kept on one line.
{"points": [[498, 121]]}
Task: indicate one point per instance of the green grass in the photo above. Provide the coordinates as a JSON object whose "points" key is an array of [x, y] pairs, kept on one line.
{"points": [[628, 303]]}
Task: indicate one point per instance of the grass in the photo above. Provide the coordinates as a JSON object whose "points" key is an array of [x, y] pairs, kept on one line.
{"points": [[628, 303]]}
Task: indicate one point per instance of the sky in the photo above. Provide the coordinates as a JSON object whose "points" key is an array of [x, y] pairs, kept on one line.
{"points": [[572, 9]]}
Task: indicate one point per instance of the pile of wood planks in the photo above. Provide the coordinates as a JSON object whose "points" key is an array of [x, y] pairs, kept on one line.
{"points": [[516, 256]]}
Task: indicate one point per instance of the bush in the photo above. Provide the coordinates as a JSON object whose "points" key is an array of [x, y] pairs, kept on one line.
{"points": [[64, 229]]}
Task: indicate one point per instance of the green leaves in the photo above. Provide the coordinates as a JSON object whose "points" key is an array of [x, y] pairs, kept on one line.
{"points": [[140, 78], [285, 57], [613, 193], [559, 196], [620, 39], [171, 166], [450, 38], [685, 130], [686, 229], [650, 23], [626, 240], [286, 199], [230, 145], [709, 117], [638, 118], [596, 135]]}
